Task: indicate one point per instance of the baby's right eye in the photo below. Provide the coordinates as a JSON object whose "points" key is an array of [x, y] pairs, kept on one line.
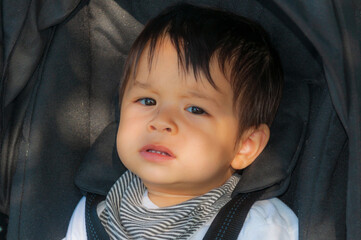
{"points": [[147, 101]]}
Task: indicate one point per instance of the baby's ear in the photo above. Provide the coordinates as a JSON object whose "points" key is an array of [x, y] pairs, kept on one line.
{"points": [[251, 144]]}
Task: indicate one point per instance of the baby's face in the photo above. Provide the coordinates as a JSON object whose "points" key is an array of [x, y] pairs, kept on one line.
{"points": [[177, 134]]}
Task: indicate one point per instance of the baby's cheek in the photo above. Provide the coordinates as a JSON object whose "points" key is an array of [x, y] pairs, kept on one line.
{"points": [[119, 147], [121, 143]]}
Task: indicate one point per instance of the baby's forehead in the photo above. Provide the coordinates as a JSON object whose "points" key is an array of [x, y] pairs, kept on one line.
{"points": [[166, 57], [148, 77], [164, 51]]}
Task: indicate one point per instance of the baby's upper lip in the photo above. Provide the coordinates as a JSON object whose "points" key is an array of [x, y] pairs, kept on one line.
{"points": [[157, 148]]}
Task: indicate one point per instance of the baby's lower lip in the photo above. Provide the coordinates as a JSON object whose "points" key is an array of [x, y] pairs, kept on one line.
{"points": [[155, 157]]}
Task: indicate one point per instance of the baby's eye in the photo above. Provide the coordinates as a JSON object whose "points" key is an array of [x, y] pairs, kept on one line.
{"points": [[196, 110], [147, 101]]}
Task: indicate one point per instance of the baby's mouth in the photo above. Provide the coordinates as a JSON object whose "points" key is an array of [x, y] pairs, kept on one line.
{"points": [[157, 149]]}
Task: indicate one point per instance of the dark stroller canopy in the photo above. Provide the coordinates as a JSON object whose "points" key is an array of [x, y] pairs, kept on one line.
{"points": [[61, 65]]}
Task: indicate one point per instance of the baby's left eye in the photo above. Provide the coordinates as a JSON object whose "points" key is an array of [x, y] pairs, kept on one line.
{"points": [[196, 110]]}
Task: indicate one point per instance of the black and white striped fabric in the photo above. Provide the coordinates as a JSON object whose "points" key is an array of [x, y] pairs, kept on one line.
{"points": [[125, 217]]}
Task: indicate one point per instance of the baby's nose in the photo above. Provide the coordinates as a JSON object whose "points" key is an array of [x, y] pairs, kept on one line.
{"points": [[163, 122], [153, 127]]}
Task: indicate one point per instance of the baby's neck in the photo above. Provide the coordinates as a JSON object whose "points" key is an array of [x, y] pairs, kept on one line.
{"points": [[165, 200]]}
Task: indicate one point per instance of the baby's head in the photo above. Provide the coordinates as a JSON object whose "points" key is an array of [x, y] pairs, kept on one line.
{"points": [[200, 90]]}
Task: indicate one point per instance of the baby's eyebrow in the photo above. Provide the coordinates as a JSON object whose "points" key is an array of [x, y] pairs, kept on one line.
{"points": [[201, 96], [197, 95], [141, 85]]}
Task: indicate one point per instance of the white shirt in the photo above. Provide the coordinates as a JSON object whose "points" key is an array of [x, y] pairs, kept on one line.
{"points": [[267, 219]]}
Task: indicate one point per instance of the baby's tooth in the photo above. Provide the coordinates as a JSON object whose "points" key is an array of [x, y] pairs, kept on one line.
{"points": [[159, 152]]}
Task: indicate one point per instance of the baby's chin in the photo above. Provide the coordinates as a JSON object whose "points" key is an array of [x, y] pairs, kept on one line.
{"points": [[175, 187], [164, 184]]}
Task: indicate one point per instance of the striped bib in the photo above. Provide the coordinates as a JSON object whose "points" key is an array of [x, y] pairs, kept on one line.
{"points": [[125, 217]]}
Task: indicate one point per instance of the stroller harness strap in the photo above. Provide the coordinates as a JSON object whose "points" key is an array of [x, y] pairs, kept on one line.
{"points": [[94, 228], [229, 221], [227, 224]]}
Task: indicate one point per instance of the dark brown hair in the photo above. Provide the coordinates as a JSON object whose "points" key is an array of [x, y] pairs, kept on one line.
{"points": [[240, 45]]}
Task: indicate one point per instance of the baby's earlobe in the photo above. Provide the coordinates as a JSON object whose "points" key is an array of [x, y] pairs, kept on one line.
{"points": [[250, 147]]}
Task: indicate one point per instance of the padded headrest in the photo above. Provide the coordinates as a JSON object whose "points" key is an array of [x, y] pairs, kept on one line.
{"points": [[101, 166]]}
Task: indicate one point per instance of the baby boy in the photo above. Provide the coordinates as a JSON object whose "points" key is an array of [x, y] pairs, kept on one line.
{"points": [[200, 89]]}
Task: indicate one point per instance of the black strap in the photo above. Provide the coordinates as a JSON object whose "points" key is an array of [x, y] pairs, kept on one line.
{"points": [[94, 228], [229, 221]]}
